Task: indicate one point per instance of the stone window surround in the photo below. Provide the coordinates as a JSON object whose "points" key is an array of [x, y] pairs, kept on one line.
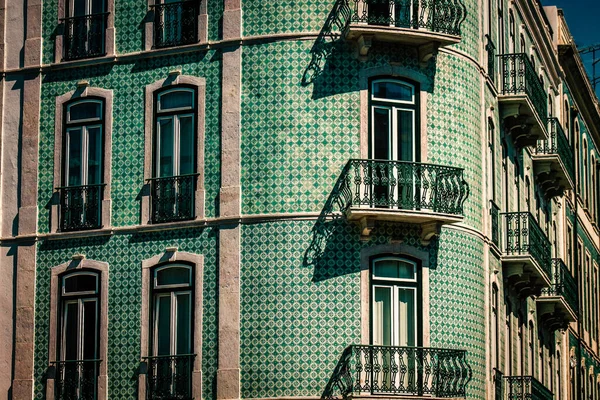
{"points": [[149, 24], [399, 250], [400, 73], [171, 82], [71, 266], [59, 130], [172, 256], [109, 34]]}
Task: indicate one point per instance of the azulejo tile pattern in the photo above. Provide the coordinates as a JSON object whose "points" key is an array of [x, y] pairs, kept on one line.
{"points": [[128, 82], [124, 254]]}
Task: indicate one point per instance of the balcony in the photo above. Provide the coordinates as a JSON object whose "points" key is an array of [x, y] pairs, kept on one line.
{"points": [[85, 36], [77, 379], [172, 198], [399, 191], [527, 387], [169, 377], [394, 371], [557, 306], [523, 100], [175, 24], [526, 256], [427, 25], [553, 162], [80, 207]]}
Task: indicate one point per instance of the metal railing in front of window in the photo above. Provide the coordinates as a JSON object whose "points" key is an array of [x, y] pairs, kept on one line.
{"points": [[77, 379], [80, 207], [490, 48], [519, 77], [527, 388], [563, 284], [524, 236], [175, 24], [441, 16], [404, 185], [495, 219], [558, 144], [84, 36], [169, 377], [399, 371], [173, 198]]}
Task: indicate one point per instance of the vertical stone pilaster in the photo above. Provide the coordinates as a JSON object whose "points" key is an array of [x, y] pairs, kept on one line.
{"points": [[228, 373], [33, 38]]}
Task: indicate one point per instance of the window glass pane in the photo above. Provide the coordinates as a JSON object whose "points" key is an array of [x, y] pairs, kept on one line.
{"points": [[85, 110], [166, 156], [97, 6], [393, 91], [184, 323], [79, 7], [381, 134], [173, 276], [176, 99], [395, 269], [382, 317], [70, 323], [94, 155], [406, 317], [163, 326], [90, 329], [405, 135], [80, 283], [74, 157], [186, 145]]}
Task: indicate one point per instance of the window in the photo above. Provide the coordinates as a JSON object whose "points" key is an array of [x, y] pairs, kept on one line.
{"points": [[511, 31], [170, 366], [585, 175], [531, 355], [508, 346], [491, 160], [495, 328], [522, 43], [175, 23], [174, 182], [85, 29], [81, 193]]}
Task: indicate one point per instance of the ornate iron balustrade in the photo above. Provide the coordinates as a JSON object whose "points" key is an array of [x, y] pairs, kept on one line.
{"points": [[490, 48], [495, 217], [393, 370], [84, 36], [519, 77], [80, 207], [173, 198], [442, 16], [405, 185], [558, 144], [175, 24], [527, 388], [170, 377], [76, 380], [524, 236], [563, 284]]}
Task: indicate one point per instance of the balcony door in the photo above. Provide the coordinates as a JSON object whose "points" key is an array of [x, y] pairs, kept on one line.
{"points": [[395, 323], [85, 27], [393, 142], [397, 13]]}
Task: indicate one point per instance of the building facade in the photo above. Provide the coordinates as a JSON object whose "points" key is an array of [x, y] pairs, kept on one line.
{"points": [[220, 199]]}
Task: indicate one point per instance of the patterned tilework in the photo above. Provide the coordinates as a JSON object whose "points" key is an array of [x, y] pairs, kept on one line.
{"points": [[124, 255], [128, 82], [215, 18], [129, 25], [470, 37], [49, 27], [283, 357]]}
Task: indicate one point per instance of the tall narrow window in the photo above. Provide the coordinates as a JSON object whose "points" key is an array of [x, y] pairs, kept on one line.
{"points": [[175, 23], [174, 183], [85, 28], [495, 323], [78, 366], [531, 353], [170, 366], [508, 346], [585, 175], [559, 362], [81, 193], [511, 32]]}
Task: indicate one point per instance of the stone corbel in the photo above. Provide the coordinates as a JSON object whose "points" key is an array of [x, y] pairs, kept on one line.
{"points": [[366, 226], [364, 44], [427, 52], [429, 230]]}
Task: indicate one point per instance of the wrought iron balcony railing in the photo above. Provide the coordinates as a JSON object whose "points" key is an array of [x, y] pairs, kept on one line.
{"points": [[519, 77], [404, 185], [175, 24], [170, 377], [558, 144], [563, 284], [524, 236], [490, 48], [77, 379], [80, 207], [527, 388], [495, 216], [173, 198], [85, 36], [399, 371], [441, 16]]}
